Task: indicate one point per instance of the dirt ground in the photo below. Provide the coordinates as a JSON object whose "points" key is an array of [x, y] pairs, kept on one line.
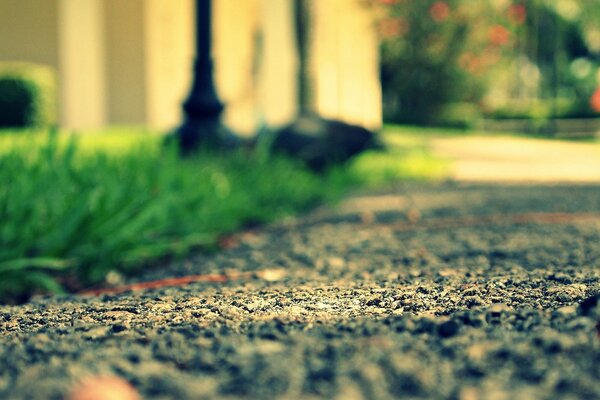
{"points": [[446, 291]]}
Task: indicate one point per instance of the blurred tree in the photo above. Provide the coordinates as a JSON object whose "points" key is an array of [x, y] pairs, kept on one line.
{"points": [[440, 52], [435, 53]]}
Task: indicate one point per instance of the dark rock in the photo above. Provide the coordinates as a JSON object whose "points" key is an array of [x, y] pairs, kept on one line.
{"points": [[401, 324], [448, 328], [425, 325], [116, 328], [590, 306], [560, 278], [496, 314], [320, 142], [471, 318]]}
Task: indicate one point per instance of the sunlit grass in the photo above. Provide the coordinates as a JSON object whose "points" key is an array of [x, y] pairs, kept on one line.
{"points": [[75, 208], [410, 163], [114, 140], [407, 158]]}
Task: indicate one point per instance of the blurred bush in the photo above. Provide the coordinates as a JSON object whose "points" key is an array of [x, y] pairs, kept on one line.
{"points": [[76, 209], [543, 109], [433, 60], [459, 115], [452, 62], [27, 95]]}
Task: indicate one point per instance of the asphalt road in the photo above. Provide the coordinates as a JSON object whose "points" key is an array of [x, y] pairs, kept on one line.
{"points": [[421, 291]]}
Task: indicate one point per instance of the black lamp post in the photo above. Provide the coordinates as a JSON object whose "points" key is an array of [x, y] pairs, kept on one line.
{"points": [[202, 109]]}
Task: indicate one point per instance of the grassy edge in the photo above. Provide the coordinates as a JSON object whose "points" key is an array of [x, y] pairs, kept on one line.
{"points": [[81, 184]]}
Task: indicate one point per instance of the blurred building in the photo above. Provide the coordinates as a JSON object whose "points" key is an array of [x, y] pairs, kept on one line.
{"points": [[129, 61]]}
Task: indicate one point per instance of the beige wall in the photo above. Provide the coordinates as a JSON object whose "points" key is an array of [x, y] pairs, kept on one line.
{"points": [[81, 73], [169, 55], [277, 83], [235, 29], [345, 63], [118, 62], [258, 80], [149, 59], [29, 31], [125, 61], [130, 61], [256, 62]]}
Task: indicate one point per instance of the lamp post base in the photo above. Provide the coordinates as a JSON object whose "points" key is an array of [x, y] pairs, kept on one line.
{"points": [[208, 133], [202, 127]]}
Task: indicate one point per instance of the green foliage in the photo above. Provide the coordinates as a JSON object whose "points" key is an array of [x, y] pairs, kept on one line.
{"points": [[64, 209], [542, 110], [74, 208], [555, 40], [431, 56], [494, 55], [407, 158], [27, 95]]}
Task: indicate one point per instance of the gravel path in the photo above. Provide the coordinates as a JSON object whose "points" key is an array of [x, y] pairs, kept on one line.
{"points": [[425, 291]]}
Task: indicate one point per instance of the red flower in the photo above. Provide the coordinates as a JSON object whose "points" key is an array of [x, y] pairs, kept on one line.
{"points": [[517, 13], [471, 63], [490, 55], [394, 27], [595, 101], [439, 11], [498, 35]]}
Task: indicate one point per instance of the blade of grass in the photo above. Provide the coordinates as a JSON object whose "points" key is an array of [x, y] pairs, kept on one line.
{"points": [[43, 281], [22, 264]]}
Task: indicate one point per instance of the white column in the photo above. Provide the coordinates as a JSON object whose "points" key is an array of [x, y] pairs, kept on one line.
{"points": [[169, 53], [235, 56], [125, 62], [278, 78], [346, 63], [81, 64]]}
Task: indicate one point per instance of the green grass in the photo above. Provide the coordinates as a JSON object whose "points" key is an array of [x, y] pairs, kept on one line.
{"points": [[407, 157], [76, 208]]}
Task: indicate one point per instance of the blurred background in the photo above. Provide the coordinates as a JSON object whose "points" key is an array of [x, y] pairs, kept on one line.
{"points": [[516, 65], [130, 63], [513, 65]]}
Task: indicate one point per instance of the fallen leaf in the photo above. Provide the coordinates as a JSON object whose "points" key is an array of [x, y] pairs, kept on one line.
{"points": [[104, 388]]}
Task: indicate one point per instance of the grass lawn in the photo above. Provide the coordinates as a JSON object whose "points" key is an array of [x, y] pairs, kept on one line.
{"points": [[78, 208]]}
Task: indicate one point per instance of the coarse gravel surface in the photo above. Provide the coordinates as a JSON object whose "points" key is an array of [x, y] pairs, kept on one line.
{"points": [[432, 291]]}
